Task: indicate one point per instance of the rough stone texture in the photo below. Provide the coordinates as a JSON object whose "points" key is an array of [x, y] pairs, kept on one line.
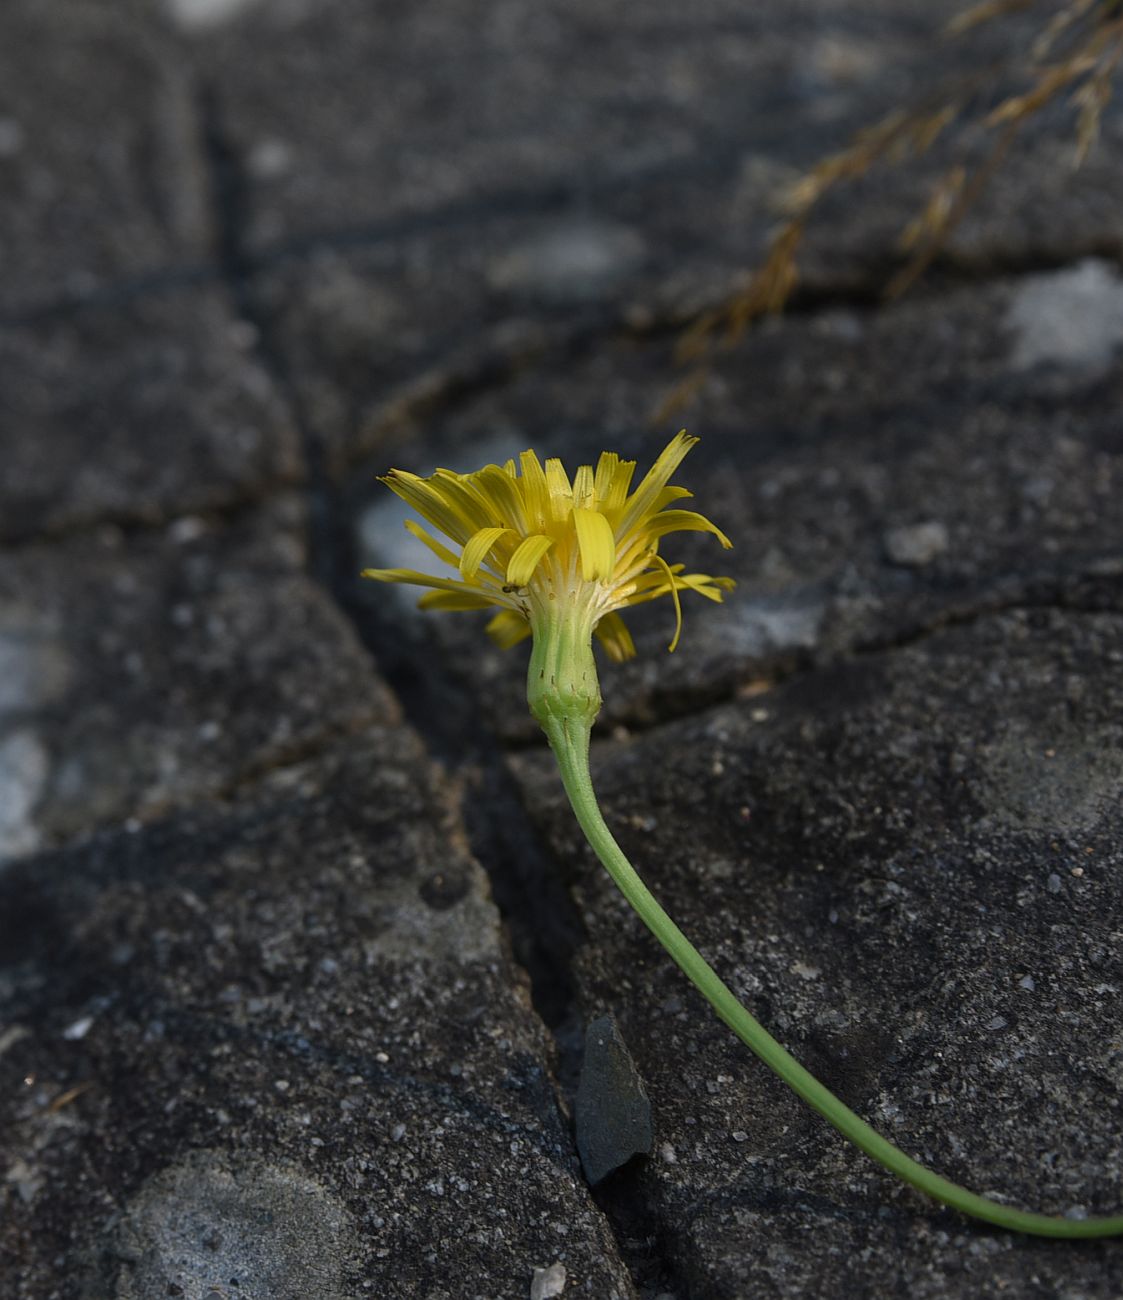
{"points": [[909, 866], [432, 197], [259, 938], [276, 1051], [144, 673], [101, 178], [880, 472], [135, 414]]}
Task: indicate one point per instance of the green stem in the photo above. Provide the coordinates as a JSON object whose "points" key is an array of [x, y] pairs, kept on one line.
{"points": [[569, 738]]}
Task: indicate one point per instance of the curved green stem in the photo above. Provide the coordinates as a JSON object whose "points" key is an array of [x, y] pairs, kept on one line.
{"points": [[569, 738]]}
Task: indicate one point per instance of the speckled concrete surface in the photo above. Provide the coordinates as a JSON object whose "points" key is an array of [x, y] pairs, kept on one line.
{"points": [[298, 943]]}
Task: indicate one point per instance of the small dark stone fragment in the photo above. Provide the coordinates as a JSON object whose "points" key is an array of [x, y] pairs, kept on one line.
{"points": [[613, 1112]]}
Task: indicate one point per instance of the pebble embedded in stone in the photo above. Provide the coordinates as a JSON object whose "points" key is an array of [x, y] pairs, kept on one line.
{"points": [[203, 15], [212, 1216], [11, 137], [1071, 318], [548, 1283], [24, 769], [915, 545], [576, 261]]}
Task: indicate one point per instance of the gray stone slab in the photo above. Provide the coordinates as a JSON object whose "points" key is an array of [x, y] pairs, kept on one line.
{"points": [[143, 673], [278, 1051], [362, 115], [878, 472], [431, 197], [908, 866], [137, 413], [101, 173]]}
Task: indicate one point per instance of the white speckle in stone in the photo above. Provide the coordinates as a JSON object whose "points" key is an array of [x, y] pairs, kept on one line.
{"points": [[578, 261], [739, 1135], [24, 768], [34, 669], [757, 627], [213, 1216], [12, 137], [1071, 318], [1028, 983], [1053, 884], [187, 529], [804, 971], [24, 1179], [269, 159], [997, 1022], [548, 1283], [915, 545], [78, 1030], [11, 1036], [667, 1154], [200, 15]]}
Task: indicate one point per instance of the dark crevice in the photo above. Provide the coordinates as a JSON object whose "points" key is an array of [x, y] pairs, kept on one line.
{"points": [[1073, 593], [541, 921], [129, 524], [540, 918], [231, 200], [642, 1237]]}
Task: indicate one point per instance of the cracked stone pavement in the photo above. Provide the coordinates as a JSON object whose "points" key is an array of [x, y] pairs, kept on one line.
{"points": [[298, 941]]}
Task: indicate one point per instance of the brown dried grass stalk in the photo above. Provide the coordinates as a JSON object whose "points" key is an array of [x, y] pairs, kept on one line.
{"points": [[1076, 52]]}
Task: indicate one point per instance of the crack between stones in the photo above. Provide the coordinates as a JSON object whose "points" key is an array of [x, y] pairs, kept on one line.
{"points": [[540, 921], [1040, 594]]}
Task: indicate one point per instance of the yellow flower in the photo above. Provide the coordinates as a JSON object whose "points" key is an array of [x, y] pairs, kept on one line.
{"points": [[545, 550]]}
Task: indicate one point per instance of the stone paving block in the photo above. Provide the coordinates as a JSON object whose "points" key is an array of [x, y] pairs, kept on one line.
{"points": [[469, 192], [878, 472], [136, 413], [430, 197], [909, 868], [101, 173], [364, 115], [160, 669], [277, 1050]]}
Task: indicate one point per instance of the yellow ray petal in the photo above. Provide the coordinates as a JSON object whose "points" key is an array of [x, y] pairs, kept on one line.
{"points": [[430, 503], [597, 544], [506, 495], [508, 628], [521, 565], [612, 632], [439, 550], [678, 604], [684, 521], [454, 600], [557, 485], [613, 495], [584, 488], [643, 499], [473, 507], [535, 492], [477, 548], [419, 579], [606, 472], [704, 585]]}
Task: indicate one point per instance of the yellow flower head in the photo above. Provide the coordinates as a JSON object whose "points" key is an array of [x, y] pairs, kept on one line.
{"points": [[544, 549]]}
